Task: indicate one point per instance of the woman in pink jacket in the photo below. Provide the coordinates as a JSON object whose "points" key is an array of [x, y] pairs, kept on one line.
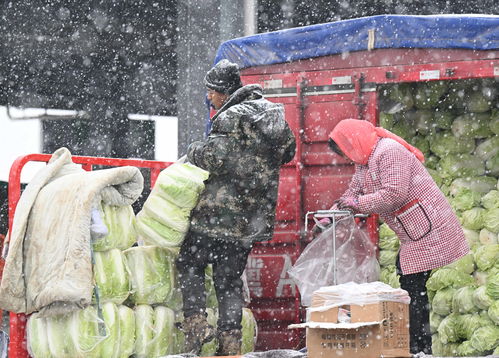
{"points": [[390, 180]]}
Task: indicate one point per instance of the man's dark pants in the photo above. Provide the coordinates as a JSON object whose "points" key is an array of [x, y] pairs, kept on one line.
{"points": [[419, 309], [228, 258]]}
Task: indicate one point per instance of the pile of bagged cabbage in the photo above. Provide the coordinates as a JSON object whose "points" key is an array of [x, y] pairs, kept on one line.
{"points": [[456, 125], [139, 299]]}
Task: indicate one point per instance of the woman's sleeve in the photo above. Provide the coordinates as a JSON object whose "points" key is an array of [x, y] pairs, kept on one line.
{"points": [[394, 171]]}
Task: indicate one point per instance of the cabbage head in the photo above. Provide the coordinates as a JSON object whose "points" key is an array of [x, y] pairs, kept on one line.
{"points": [[403, 127], [421, 143], [387, 257], [472, 236], [465, 349], [443, 119], [494, 122], [386, 120], [449, 328], [472, 125], [435, 321], [465, 264], [462, 301], [162, 341], [127, 331], [152, 274], [36, 337], [388, 275], [492, 165], [488, 148], [155, 233], [111, 276], [491, 220], [445, 143], [487, 237], [460, 165], [492, 286], [481, 299], [477, 102], [493, 312], [448, 277], [473, 219], [465, 199], [486, 256], [249, 331], [482, 184], [144, 330], [402, 93], [428, 94], [442, 301], [391, 243], [485, 338], [385, 231], [120, 223], [468, 323], [167, 213]]}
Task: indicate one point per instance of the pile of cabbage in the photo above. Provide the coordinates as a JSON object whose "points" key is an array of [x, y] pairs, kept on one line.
{"points": [[456, 125], [139, 302]]}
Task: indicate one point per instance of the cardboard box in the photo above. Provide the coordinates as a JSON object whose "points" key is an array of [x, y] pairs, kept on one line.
{"points": [[375, 330]]}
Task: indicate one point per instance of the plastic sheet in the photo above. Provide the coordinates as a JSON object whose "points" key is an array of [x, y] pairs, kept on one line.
{"points": [[355, 259]]}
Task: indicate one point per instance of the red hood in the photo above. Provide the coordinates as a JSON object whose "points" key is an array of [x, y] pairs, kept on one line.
{"points": [[357, 139]]}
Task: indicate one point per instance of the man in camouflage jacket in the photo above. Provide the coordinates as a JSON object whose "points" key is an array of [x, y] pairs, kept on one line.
{"points": [[248, 143]]}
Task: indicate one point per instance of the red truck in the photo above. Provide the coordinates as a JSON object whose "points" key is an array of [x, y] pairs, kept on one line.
{"points": [[323, 74]]}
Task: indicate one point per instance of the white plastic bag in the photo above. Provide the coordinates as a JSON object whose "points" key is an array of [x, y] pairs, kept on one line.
{"points": [[355, 260]]}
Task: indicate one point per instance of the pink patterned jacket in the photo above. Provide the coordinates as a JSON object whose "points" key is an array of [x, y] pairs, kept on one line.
{"points": [[395, 185]]}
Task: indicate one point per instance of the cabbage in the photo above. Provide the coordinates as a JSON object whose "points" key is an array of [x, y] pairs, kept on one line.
{"points": [[494, 122], [491, 220], [465, 199], [465, 349], [110, 345], [465, 264], [386, 120], [249, 331], [442, 301], [448, 329], [443, 119], [388, 275], [155, 233], [486, 256], [492, 165], [448, 277], [60, 345], [482, 184], [144, 330], [162, 342], [428, 94], [473, 219], [120, 222], [178, 335], [167, 213], [179, 186], [385, 231], [421, 143], [445, 143], [389, 243], [472, 237], [481, 299], [460, 165], [387, 257], [462, 301], [435, 321], [111, 276], [88, 337], [127, 331], [485, 338], [402, 93], [431, 162], [480, 277], [471, 125], [493, 312], [492, 286], [403, 127], [210, 348], [37, 340], [468, 323], [477, 102], [423, 122], [491, 199], [488, 148], [152, 274], [487, 237]]}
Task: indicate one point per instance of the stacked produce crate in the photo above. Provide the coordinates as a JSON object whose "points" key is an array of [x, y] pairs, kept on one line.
{"points": [[140, 303], [456, 125]]}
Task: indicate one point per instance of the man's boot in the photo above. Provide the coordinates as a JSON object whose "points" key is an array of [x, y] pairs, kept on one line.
{"points": [[197, 332], [229, 342]]}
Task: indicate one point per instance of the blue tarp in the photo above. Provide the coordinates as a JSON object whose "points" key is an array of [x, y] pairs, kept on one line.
{"points": [[474, 32]]}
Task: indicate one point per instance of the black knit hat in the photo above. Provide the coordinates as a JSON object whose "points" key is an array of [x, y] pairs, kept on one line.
{"points": [[223, 77]]}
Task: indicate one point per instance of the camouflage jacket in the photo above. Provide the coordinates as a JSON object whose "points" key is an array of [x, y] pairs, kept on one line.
{"points": [[248, 143]]}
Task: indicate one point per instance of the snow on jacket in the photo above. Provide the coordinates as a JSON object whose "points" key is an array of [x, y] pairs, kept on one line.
{"points": [[48, 266], [391, 181], [248, 143]]}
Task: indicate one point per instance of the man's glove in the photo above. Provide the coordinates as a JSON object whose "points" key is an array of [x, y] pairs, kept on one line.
{"points": [[348, 203]]}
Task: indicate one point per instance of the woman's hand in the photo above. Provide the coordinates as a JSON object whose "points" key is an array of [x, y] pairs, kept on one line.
{"points": [[348, 203]]}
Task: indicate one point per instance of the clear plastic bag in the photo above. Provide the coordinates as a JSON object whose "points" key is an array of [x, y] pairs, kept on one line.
{"points": [[355, 259]]}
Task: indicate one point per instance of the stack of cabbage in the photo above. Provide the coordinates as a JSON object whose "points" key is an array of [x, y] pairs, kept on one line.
{"points": [[164, 219], [139, 298], [456, 125], [388, 248]]}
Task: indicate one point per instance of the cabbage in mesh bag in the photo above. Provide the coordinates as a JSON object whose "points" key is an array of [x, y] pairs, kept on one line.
{"points": [[111, 276]]}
